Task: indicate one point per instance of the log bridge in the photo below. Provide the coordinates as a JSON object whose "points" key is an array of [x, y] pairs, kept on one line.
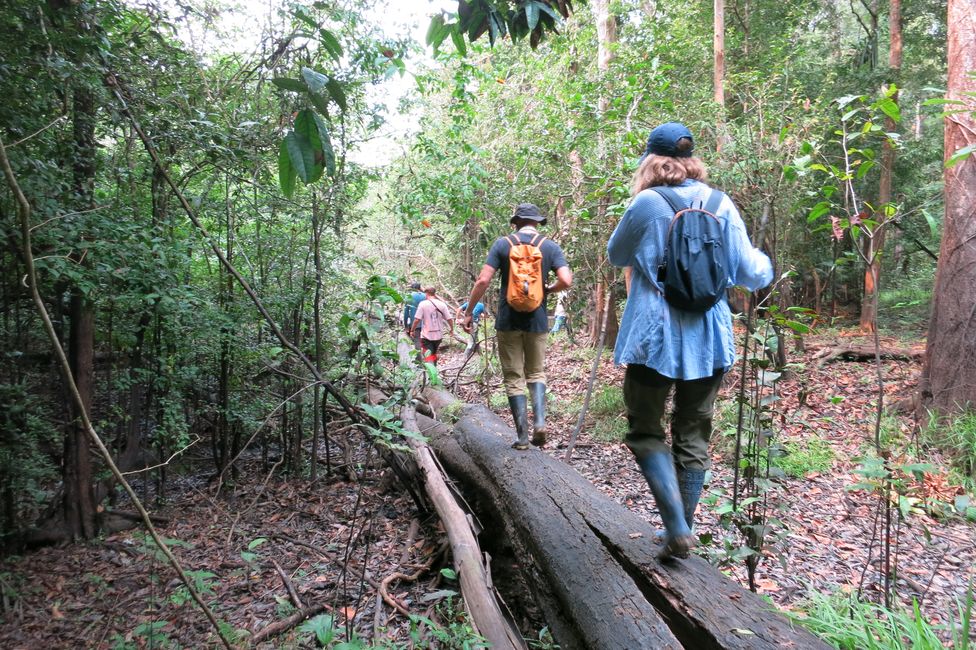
{"points": [[565, 553]]}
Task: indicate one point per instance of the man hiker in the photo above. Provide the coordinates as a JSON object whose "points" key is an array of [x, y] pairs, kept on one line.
{"points": [[525, 260], [430, 319], [410, 304], [476, 313], [676, 331]]}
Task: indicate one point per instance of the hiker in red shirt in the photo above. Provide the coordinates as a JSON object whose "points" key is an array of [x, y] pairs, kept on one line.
{"points": [[431, 317]]}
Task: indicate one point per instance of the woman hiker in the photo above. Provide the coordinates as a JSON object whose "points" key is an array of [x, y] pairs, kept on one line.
{"points": [[666, 347]]}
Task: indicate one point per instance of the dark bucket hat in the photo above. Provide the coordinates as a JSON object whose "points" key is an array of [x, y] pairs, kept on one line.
{"points": [[527, 211]]}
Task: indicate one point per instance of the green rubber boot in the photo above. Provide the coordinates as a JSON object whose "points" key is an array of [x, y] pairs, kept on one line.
{"points": [[520, 413], [538, 392]]}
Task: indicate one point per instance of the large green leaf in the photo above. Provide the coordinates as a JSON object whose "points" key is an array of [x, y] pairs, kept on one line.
{"points": [[532, 14], [286, 171], [890, 108], [960, 154], [290, 84], [302, 155], [328, 152], [306, 127], [320, 103], [331, 44], [437, 31], [337, 93]]}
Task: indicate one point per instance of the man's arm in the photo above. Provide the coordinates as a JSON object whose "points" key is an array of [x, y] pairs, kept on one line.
{"points": [[564, 280], [477, 292]]}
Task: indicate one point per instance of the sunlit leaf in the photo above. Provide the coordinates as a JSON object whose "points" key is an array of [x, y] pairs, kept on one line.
{"points": [[316, 80]]}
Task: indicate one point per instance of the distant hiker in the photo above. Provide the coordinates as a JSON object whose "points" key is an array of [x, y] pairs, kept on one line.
{"points": [[687, 347], [525, 260], [410, 304], [476, 313], [430, 320], [559, 315]]}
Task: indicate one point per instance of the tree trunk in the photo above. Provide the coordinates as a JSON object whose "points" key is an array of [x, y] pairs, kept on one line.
{"points": [[947, 378], [718, 78], [872, 274], [78, 507], [588, 562], [606, 30]]}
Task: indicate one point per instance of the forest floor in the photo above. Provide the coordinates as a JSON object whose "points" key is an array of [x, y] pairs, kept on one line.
{"points": [[354, 545]]}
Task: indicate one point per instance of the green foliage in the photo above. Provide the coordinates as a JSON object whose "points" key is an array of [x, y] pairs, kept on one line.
{"points": [[203, 584], [848, 623], [451, 413], [388, 427], [801, 458], [498, 18], [26, 436], [543, 641], [955, 435], [455, 633], [609, 414]]}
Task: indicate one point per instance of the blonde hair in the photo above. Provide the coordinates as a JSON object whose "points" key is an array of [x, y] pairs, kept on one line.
{"points": [[663, 170]]}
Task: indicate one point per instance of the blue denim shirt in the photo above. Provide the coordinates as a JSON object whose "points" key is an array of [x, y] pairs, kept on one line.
{"points": [[676, 343]]}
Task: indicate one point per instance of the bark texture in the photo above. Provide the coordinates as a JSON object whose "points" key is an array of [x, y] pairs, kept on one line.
{"points": [[948, 381], [589, 562]]}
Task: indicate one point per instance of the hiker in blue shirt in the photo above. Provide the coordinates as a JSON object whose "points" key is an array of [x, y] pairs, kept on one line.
{"points": [[476, 313], [665, 347], [410, 304]]}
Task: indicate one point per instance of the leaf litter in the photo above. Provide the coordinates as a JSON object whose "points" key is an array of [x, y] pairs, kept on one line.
{"points": [[337, 540]]}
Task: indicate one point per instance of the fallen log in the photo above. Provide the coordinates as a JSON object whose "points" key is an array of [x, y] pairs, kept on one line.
{"points": [[479, 597], [588, 561], [865, 353]]}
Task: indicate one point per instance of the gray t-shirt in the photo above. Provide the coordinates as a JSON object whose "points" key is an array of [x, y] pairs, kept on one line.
{"points": [[507, 319]]}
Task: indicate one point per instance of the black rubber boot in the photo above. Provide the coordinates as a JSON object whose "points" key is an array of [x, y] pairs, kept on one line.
{"points": [[538, 392], [690, 482], [520, 413], [658, 469]]}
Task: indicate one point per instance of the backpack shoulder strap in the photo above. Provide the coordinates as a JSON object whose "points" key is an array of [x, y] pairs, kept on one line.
{"points": [[513, 240], [537, 240], [669, 195], [714, 201]]}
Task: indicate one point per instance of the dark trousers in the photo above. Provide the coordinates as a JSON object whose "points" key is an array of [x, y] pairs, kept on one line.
{"points": [[430, 349], [645, 395]]}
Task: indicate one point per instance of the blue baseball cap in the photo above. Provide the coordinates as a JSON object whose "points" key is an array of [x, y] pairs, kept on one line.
{"points": [[664, 140]]}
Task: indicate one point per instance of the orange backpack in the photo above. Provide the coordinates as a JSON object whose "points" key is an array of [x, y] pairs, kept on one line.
{"points": [[526, 289]]}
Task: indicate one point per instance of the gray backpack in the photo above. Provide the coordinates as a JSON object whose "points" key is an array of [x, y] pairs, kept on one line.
{"points": [[695, 268]]}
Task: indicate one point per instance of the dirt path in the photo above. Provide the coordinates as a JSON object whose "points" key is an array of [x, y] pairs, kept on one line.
{"points": [[115, 593], [827, 528]]}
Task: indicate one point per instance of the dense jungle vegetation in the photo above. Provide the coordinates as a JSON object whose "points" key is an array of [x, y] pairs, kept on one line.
{"points": [[211, 215]]}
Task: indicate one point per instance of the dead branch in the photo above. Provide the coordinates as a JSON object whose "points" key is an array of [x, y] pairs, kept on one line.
{"points": [[276, 628], [289, 587]]}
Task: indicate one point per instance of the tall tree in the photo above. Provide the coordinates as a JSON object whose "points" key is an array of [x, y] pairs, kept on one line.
{"points": [[718, 79], [603, 317], [947, 378], [872, 274], [78, 505]]}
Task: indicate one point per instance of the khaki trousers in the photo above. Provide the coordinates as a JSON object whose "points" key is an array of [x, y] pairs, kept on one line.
{"points": [[523, 357], [646, 393]]}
